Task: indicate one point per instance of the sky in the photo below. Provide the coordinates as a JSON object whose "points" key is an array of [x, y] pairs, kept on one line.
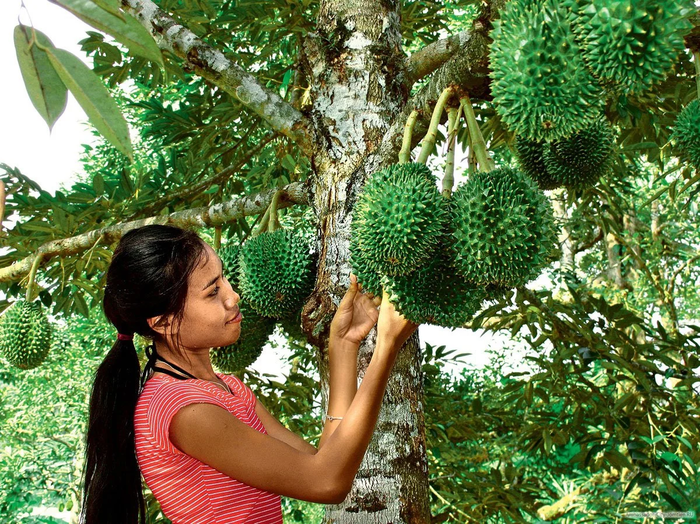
{"points": [[53, 158]]}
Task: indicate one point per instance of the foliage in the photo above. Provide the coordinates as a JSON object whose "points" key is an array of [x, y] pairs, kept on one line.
{"points": [[604, 420]]}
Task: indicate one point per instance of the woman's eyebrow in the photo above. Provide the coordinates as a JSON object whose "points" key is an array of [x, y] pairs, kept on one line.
{"points": [[212, 282]]}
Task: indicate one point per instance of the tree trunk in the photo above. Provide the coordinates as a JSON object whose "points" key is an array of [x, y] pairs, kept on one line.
{"points": [[356, 65]]}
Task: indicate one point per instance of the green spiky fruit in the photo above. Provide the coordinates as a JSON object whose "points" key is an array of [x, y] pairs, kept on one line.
{"points": [[255, 330], [435, 293], [502, 227], [291, 325], [25, 334], [580, 160], [398, 218], [368, 277], [686, 133], [530, 156], [631, 44], [276, 272], [541, 86], [229, 261]]}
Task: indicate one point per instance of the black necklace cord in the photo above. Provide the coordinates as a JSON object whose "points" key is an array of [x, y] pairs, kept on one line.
{"points": [[154, 357]]}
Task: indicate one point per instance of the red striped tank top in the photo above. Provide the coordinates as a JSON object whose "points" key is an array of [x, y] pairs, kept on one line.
{"points": [[189, 491]]}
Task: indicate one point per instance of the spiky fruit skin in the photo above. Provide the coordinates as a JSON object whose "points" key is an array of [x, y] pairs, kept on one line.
{"points": [[530, 156], [369, 279], [686, 133], [398, 219], [25, 334], [580, 160], [631, 44], [276, 272], [229, 255], [291, 324], [541, 86], [502, 226], [435, 293], [255, 330]]}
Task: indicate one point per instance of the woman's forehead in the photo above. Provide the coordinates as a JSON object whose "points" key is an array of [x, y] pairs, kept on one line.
{"points": [[207, 268]]}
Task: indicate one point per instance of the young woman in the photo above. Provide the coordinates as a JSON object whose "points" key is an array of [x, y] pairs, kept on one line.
{"points": [[209, 451]]}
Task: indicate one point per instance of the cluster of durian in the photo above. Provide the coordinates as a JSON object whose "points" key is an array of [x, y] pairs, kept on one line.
{"points": [[576, 162], [25, 334], [273, 273], [437, 257], [552, 61]]}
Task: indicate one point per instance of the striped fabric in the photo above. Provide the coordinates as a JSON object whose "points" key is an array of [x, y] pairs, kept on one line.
{"points": [[189, 491]]}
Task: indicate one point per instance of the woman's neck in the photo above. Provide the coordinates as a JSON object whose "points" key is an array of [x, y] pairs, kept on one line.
{"points": [[195, 362]]}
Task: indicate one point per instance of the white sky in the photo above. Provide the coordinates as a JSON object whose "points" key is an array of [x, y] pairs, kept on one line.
{"points": [[53, 158]]}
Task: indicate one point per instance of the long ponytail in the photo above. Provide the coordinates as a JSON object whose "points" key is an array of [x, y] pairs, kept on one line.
{"points": [[147, 278], [112, 476]]}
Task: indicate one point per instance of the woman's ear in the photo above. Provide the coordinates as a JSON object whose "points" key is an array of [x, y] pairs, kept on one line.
{"points": [[158, 324]]}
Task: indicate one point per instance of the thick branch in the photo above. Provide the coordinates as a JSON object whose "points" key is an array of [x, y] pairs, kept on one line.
{"points": [[210, 216], [467, 69], [428, 59], [211, 64]]}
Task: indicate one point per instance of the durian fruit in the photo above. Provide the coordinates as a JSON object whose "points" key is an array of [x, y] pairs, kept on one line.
{"points": [[229, 261], [370, 280], [580, 160], [435, 293], [255, 330], [632, 44], [541, 86], [276, 272], [530, 156], [291, 325], [25, 334], [686, 133], [398, 219], [502, 226]]}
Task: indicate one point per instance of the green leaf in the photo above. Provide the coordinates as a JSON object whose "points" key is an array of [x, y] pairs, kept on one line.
{"points": [[98, 184], [127, 31], [93, 97], [111, 6], [45, 89]]}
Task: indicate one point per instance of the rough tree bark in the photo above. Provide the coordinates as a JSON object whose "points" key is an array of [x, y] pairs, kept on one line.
{"points": [[359, 87]]}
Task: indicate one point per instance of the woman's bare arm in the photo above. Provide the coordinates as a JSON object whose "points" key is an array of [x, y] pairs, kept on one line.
{"points": [[215, 437]]}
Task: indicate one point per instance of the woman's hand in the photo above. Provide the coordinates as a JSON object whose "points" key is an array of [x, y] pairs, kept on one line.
{"points": [[356, 316], [392, 327]]}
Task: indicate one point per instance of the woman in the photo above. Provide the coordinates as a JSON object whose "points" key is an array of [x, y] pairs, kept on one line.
{"points": [[209, 451]]}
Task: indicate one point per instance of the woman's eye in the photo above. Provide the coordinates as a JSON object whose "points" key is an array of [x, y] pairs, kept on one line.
{"points": [[214, 292]]}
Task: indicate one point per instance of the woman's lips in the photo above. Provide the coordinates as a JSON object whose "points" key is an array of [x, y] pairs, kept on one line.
{"points": [[237, 318]]}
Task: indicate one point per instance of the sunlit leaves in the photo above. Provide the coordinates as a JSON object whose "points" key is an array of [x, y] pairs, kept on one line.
{"points": [[122, 26], [93, 97], [45, 88]]}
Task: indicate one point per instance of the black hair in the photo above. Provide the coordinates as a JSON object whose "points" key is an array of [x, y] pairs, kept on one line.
{"points": [[148, 277]]}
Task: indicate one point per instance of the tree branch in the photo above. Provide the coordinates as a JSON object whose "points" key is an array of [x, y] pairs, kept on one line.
{"points": [[467, 69], [428, 59], [211, 64], [215, 215], [203, 185]]}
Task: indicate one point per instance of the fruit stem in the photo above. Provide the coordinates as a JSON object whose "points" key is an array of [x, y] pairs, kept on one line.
{"points": [[486, 163], [262, 227], [431, 136], [217, 238], [32, 277], [696, 56], [405, 153], [274, 224], [449, 178]]}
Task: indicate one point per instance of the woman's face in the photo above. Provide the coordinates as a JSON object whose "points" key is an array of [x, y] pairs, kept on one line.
{"points": [[211, 316]]}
